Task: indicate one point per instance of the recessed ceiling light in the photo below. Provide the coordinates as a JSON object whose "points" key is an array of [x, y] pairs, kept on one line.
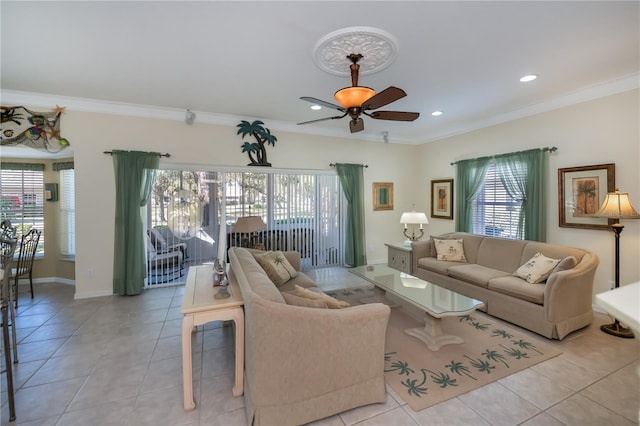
{"points": [[316, 107], [528, 78], [436, 113]]}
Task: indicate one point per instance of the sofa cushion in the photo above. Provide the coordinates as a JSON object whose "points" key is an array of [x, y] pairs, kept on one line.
{"points": [[292, 299], [501, 254], [550, 250], [475, 274], [277, 267], [331, 302], [519, 288], [537, 269], [450, 250], [435, 265], [565, 264], [257, 278], [301, 280]]}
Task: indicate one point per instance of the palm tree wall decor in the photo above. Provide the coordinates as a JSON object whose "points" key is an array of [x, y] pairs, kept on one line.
{"points": [[257, 151]]}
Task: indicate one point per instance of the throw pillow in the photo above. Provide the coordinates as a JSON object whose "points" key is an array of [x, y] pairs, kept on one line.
{"points": [[537, 269], [292, 299], [330, 301], [451, 250], [568, 262], [277, 267]]}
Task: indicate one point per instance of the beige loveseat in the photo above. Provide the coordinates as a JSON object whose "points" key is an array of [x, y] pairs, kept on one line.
{"points": [[302, 363], [554, 308]]}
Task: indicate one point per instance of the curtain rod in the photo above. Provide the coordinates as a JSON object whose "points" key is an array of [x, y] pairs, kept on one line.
{"points": [[161, 155], [550, 149], [363, 165]]}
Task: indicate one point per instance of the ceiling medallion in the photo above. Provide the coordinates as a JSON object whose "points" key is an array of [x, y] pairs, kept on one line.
{"points": [[378, 48]]}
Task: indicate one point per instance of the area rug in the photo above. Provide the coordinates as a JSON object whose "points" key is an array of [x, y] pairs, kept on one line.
{"points": [[491, 350]]}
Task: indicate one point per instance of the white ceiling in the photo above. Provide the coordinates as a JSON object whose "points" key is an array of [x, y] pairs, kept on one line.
{"points": [[253, 60]]}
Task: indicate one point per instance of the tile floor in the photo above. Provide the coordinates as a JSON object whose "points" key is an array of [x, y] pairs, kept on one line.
{"points": [[117, 361]]}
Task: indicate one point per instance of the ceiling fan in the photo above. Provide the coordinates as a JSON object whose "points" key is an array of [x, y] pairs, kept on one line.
{"points": [[357, 100]]}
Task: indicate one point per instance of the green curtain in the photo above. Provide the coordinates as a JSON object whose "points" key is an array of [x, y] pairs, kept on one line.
{"points": [[523, 175], [469, 177], [352, 182], [135, 173]]}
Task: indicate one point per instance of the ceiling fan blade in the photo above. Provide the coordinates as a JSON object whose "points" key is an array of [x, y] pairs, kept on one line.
{"points": [[356, 125], [324, 119], [322, 103], [388, 95], [394, 115]]}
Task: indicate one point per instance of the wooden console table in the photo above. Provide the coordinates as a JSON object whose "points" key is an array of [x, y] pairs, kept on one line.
{"points": [[199, 307]]}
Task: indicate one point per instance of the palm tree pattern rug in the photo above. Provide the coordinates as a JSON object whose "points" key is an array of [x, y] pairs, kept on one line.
{"points": [[492, 349]]}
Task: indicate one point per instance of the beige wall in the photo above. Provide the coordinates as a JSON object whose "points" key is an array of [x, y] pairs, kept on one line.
{"points": [[595, 132], [209, 145]]}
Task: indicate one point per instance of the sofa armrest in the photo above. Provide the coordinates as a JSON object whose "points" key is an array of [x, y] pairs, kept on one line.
{"points": [[569, 293], [295, 353], [419, 250]]}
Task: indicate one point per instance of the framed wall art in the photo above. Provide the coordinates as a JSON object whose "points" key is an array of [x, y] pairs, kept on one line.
{"points": [[442, 199], [581, 191], [382, 196]]}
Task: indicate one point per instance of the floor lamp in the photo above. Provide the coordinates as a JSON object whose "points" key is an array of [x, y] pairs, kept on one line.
{"points": [[617, 205]]}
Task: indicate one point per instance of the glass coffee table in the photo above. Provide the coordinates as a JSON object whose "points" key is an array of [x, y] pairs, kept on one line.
{"points": [[437, 302]]}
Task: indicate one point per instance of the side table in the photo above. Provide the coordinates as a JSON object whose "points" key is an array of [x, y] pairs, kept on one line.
{"points": [[199, 307], [400, 257]]}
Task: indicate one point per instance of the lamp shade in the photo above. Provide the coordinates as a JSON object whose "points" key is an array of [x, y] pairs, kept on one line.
{"points": [[616, 205], [414, 218], [248, 224], [353, 96]]}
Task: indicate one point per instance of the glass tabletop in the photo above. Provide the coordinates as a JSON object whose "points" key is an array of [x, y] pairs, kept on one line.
{"points": [[436, 300]]}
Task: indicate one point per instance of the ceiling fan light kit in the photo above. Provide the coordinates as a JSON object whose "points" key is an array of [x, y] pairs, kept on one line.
{"points": [[357, 100], [353, 96]]}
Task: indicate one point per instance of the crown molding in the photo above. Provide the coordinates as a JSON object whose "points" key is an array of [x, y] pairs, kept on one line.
{"points": [[596, 91], [607, 88]]}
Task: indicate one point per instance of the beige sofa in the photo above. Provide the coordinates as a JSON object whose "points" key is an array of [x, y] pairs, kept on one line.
{"points": [[301, 363], [553, 308]]}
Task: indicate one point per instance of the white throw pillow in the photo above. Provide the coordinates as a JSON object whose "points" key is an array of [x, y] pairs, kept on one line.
{"points": [[451, 250], [537, 269], [277, 267]]}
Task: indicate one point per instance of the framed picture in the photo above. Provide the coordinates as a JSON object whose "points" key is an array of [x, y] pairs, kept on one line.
{"points": [[442, 199], [581, 191], [382, 196]]}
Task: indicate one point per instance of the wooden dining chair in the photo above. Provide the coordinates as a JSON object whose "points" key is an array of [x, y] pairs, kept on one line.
{"points": [[24, 267]]}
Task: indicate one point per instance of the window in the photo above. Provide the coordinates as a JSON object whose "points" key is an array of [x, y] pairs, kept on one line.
{"points": [[504, 195], [22, 195], [67, 213], [495, 213]]}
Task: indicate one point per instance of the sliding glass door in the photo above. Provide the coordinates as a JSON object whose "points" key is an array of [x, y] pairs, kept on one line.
{"points": [[302, 211]]}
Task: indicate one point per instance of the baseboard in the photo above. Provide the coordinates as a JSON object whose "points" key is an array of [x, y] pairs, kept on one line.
{"points": [[43, 280], [90, 294], [598, 308]]}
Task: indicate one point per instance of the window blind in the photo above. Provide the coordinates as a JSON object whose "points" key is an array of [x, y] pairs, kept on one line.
{"points": [[22, 195], [67, 224], [495, 213]]}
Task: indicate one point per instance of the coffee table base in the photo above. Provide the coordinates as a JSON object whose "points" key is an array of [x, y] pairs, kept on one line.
{"points": [[432, 334]]}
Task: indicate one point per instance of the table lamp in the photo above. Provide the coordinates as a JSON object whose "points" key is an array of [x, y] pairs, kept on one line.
{"points": [[413, 218], [249, 225], [616, 205]]}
